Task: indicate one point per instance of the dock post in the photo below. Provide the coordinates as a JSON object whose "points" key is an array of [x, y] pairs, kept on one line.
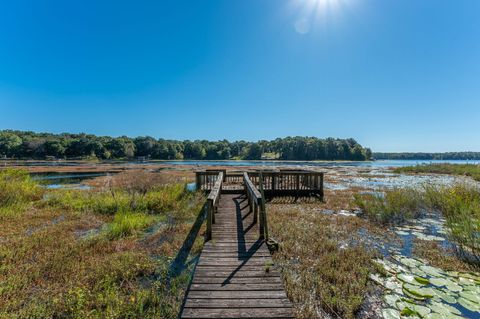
{"points": [[209, 206]]}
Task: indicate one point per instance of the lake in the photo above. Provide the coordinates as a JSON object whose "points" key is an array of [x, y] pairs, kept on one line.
{"points": [[372, 164]]}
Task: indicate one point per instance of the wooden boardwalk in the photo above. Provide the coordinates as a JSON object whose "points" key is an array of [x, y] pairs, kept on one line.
{"points": [[235, 276]]}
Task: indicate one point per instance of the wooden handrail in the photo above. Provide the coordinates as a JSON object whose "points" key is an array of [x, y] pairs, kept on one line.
{"points": [[212, 203], [256, 203]]}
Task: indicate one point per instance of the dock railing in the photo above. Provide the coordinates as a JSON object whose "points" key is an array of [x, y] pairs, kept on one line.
{"points": [[290, 182], [212, 203], [205, 180], [256, 203]]}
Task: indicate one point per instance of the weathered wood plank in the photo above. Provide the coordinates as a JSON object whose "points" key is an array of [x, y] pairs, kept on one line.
{"points": [[275, 294], [238, 313], [238, 303], [237, 287], [235, 280], [222, 273]]}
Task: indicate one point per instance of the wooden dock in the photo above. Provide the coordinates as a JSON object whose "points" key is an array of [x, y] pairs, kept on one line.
{"points": [[235, 276]]}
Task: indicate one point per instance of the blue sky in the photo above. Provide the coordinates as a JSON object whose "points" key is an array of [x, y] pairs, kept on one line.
{"points": [[397, 75]]}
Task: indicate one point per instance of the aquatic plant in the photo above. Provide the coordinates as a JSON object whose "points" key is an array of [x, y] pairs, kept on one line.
{"points": [[414, 288]]}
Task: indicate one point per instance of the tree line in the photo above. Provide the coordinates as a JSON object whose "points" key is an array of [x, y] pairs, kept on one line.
{"points": [[31, 145], [428, 156]]}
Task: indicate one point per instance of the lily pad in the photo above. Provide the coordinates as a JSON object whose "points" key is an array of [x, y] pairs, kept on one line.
{"points": [[410, 295], [410, 262], [417, 272], [421, 310], [390, 313], [443, 309], [391, 300], [423, 281], [453, 286], [470, 296], [472, 306], [446, 296], [377, 279], [439, 282], [392, 284], [432, 271], [407, 278], [419, 291]]}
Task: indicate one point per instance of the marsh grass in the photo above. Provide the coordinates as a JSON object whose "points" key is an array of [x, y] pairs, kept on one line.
{"points": [[126, 224], [394, 207], [17, 191], [50, 268], [439, 256], [324, 264], [472, 170], [459, 204]]}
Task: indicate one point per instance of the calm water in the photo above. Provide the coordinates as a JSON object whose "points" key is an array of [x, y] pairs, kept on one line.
{"points": [[372, 164], [380, 163], [64, 180]]}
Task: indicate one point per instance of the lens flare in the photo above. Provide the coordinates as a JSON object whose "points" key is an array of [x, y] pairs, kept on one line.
{"points": [[309, 13]]}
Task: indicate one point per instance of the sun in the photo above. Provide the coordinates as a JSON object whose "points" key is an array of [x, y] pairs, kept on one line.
{"points": [[311, 12]]}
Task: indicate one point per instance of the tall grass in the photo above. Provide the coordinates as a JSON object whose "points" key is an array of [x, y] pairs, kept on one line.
{"points": [[78, 254], [395, 206], [127, 223], [472, 170], [17, 190], [324, 276], [459, 204]]}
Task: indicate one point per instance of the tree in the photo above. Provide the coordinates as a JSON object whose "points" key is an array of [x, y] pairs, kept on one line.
{"points": [[254, 152], [9, 144], [54, 148]]}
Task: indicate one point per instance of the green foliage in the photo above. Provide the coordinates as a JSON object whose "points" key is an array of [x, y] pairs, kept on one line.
{"points": [[472, 170], [17, 189], [21, 144]]}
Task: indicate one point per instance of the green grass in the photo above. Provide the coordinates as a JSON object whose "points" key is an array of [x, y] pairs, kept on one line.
{"points": [[126, 224], [472, 170], [77, 254], [17, 191], [395, 207]]}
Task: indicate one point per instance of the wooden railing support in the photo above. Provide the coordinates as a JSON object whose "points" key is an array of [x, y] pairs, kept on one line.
{"points": [[212, 203]]}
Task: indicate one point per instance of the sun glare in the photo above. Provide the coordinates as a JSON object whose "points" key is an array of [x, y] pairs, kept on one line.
{"points": [[308, 13]]}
